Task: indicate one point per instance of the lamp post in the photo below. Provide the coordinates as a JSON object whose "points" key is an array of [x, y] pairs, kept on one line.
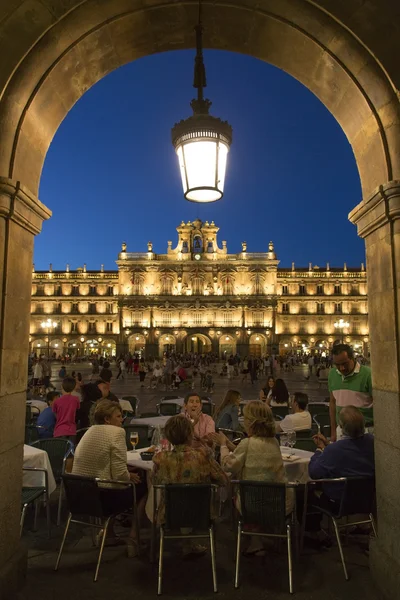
{"points": [[341, 325], [202, 141], [49, 326]]}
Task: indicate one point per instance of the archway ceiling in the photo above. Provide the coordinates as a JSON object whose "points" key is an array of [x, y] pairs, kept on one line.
{"points": [[344, 51]]}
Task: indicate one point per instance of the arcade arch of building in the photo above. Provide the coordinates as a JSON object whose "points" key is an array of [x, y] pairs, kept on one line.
{"points": [[329, 46]]}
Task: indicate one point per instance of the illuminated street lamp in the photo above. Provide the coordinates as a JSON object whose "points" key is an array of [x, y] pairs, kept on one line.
{"points": [[49, 326], [202, 142], [341, 325]]}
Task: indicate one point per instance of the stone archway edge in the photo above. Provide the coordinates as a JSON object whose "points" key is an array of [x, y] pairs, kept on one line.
{"points": [[383, 206], [20, 205]]}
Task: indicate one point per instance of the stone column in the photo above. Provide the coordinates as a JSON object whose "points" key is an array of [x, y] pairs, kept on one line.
{"points": [[21, 217], [378, 222]]}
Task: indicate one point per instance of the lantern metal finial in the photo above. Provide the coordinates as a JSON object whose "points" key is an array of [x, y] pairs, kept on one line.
{"points": [[202, 141]]}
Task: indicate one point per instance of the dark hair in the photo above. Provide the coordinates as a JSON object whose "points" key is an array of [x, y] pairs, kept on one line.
{"points": [[231, 397], [190, 395], [178, 430], [79, 376], [90, 393], [280, 392], [339, 348], [51, 396], [68, 384], [106, 374], [301, 399], [106, 364]]}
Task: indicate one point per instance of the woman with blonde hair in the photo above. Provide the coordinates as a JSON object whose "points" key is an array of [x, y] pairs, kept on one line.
{"points": [[227, 414], [257, 457]]}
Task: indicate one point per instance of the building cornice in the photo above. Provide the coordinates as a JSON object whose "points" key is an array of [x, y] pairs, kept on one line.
{"points": [[18, 204], [381, 208]]}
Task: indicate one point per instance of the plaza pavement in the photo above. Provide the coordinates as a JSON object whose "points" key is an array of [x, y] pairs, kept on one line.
{"points": [[317, 575]]}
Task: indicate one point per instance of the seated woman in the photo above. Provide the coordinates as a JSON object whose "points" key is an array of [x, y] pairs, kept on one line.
{"points": [[203, 425], [185, 464], [227, 414], [279, 394], [258, 457], [102, 453], [266, 391]]}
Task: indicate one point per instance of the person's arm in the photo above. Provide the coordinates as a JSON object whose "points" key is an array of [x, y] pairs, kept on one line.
{"points": [[209, 425], [320, 465], [118, 466], [217, 475], [284, 425], [332, 415], [234, 462]]}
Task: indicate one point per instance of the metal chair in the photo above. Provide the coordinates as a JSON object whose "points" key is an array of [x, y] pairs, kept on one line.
{"points": [[323, 420], [305, 443], [187, 506], [58, 450], [86, 507], [32, 433], [307, 433], [280, 412], [31, 495], [134, 402], [167, 409], [263, 504], [207, 408], [31, 414], [79, 434], [233, 436], [144, 432], [357, 498], [318, 408], [147, 415]]}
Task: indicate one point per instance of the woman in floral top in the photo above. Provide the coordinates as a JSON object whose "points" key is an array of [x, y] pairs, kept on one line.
{"points": [[185, 464]]}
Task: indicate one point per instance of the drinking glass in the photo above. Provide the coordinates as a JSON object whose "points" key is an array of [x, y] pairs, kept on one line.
{"points": [[283, 439], [291, 435], [134, 439]]}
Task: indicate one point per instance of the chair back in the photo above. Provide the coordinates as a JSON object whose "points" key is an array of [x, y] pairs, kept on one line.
{"points": [[307, 433], [188, 505], [358, 496], [208, 408], [35, 413], [167, 409], [28, 414], [323, 420], [31, 434], [305, 443], [263, 504], [134, 402], [144, 435], [83, 497], [231, 434], [318, 408], [58, 450], [280, 411], [79, 434]]}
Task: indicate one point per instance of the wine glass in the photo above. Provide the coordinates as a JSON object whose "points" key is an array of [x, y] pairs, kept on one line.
{"points": [[134, 439], [283, 438], [291, 437]]}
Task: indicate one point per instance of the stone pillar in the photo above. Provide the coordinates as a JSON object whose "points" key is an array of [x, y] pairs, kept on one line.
{"points": [[378, 222], [21, 217]]}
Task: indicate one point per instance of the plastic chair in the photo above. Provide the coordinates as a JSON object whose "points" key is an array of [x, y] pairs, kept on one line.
{"points": [[186, 506], [207, 408], [144, 432], [86, 507], [305, 443], [263, 504], [58, 450], [357, 497], [280, 411], [31, 495], [323, 420], [169, 409], [79, 434]]}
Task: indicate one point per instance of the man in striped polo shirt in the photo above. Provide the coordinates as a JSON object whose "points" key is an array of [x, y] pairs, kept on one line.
{"points": [[349, 384]]}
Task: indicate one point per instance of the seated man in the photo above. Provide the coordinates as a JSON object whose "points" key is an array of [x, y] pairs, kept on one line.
{"points": [[351, 456], [47, 418], [300, 418]]}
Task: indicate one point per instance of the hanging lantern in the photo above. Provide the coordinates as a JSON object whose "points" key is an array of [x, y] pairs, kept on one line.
{"points": [[202, 141]]}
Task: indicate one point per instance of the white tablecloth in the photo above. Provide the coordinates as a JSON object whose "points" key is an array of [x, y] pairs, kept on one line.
{"points": [[125, 405], [33, 457], [152, 421], [38, 403]]}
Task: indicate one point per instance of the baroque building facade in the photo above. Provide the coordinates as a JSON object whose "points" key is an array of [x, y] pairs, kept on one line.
{"points": [[198, 298]]}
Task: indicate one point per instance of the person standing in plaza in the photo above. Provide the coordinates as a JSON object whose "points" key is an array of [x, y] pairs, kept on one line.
{"points": [[349, 384], [65, 409], [310, 363], [253, 366], [37, 375]]}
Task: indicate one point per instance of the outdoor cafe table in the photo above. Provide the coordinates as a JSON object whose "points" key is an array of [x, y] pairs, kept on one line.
{"points": [[38, 404], [151, 421], [296, 469], [36, 458]]}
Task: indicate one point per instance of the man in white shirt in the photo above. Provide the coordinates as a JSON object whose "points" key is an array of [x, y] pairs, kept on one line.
{"points": [[300, 418]]}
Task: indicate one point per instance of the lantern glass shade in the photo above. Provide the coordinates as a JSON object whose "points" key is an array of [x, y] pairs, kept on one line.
{"points": [[202, 161]]}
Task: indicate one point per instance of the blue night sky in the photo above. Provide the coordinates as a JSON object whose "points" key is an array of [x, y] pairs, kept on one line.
{"points": [[111, 174]]}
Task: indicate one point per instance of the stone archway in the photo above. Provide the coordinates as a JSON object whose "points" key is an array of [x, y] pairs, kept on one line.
{"points": [[330, 47]]}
